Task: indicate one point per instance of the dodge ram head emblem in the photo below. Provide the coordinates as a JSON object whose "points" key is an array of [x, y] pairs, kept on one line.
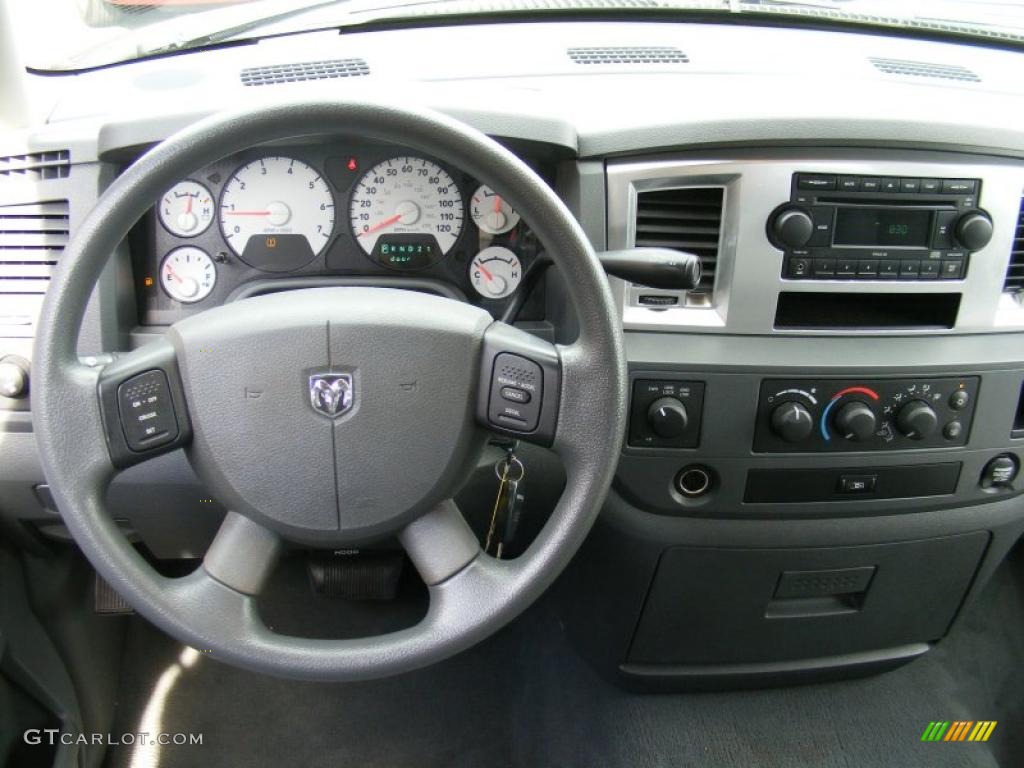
{"points": [[331, 393]]}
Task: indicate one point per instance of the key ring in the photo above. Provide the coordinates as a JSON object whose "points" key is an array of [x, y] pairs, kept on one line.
{"points": [[506, 465]]}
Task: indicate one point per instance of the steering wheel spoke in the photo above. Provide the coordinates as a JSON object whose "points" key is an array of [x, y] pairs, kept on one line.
{"points": [[142, 403], [520, 385], [440, 543]]}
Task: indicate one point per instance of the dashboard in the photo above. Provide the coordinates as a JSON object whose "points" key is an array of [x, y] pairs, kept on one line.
{"points": [[840, 404], [339, 212]]}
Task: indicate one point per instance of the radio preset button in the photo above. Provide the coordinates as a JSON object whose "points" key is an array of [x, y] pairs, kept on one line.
{"points": [[929, 270], [867, 268], [888, 268], [815, 181], [910, 268], [846, 267], [824, 267]]}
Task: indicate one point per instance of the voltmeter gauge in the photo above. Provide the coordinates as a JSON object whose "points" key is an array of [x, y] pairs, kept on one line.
{"points": [[491, 213], [187, 209], [495, 272], [188, 274]]}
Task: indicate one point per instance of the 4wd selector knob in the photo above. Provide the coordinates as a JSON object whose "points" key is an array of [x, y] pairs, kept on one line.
{"points": [[856, 421], [916, 420], [792, 227], [667, 417], [792, 422], [973, 230]]}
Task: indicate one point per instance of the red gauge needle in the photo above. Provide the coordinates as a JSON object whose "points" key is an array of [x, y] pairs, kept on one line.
{"points": [[487, 274], [248, 213], [173, 274], [380, 225], [189, 208], [497, 203]]}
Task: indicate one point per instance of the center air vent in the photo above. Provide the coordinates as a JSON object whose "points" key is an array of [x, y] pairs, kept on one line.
{"points": [[628, 55], [1015, 269], [923, 69], [36, 166], [32, 238], [687, 219], [305, 70]]}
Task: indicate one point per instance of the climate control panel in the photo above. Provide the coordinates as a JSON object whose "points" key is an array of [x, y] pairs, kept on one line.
{"points": [[796, 416]]}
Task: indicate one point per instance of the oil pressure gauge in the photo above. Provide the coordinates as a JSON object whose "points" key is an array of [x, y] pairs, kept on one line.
{"points": [[188, 274], [491, 212], [495, 272]]}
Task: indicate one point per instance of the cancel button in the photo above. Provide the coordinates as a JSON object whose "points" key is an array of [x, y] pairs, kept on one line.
{"points": [[515, 395]]}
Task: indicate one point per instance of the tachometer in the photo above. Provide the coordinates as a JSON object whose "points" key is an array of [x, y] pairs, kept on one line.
{"points": [[406, 212], [277, 213]]}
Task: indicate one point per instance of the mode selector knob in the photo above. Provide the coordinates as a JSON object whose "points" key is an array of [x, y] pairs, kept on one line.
{"points": [[917, 420], [973, 230], [792, 422], [792, 227], [856, 421], [13, 376], [667, 417]]}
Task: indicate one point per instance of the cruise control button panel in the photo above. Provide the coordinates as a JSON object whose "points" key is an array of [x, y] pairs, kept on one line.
{"points": [[517, 388], [147, 412]]}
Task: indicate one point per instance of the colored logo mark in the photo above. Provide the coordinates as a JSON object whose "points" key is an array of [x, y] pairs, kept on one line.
{"points": [[958, 730]]}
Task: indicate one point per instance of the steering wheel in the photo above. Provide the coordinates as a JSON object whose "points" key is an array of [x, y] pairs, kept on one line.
{"points": [[330, 417]]}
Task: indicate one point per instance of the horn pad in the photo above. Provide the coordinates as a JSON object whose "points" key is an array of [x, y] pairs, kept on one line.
{"points": [[334, 415]]}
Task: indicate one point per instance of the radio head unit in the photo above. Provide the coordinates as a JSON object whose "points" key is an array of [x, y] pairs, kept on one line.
{"points": [[879, 227]]}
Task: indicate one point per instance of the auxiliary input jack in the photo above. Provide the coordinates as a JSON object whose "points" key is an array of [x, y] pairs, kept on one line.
{"points": [[693, 481]]}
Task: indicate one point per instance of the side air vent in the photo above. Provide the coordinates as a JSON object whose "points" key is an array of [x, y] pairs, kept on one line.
{"points": [[32, 238], [923, 69], [628, 55], [687, 219], [305, 70], [1015, 270], [36, 166]]}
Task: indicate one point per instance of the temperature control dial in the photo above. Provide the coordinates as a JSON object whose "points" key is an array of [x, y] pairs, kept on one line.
{"points": [[856, 421]]}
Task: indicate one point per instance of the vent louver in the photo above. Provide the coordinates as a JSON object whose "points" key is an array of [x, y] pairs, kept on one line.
{"points": [[628, 55], [923, 69], [305, 70], [32, 238], [687, 219], [1015, 270], [36, 166]]}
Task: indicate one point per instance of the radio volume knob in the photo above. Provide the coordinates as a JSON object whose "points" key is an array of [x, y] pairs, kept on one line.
{"points": [[792, 227], [973, 230], [916, 420], [856, 421], [667, 417], [792, 422]]}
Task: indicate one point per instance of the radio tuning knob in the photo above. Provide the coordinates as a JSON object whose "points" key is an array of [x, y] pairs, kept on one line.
{"points": [[916, 420], [667, 417], [792, 422], [856, 421], [792, 227], [973, 230]]}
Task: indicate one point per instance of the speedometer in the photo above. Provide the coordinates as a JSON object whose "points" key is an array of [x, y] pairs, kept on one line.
{"points": [[406, 212], [277, 213]]}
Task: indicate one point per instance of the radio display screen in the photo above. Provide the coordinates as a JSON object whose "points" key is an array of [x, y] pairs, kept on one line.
{"points": [[882, 226]]}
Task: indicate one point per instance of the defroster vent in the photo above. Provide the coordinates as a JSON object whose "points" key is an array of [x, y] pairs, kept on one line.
{"points": [[32, 239], [687, 219], [305, 70]]}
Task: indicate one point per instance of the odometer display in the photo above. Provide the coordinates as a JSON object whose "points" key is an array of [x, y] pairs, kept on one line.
{"points": [[406, 201]]}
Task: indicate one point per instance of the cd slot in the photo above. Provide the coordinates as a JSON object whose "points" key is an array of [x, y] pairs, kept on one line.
{"points": [[916, 202], [866, 311]]}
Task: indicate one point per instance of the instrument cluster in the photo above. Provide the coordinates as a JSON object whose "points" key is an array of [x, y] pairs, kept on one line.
{"points": [[356, 211]]}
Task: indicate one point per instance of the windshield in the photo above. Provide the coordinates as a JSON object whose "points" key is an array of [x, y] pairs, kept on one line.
{"points": [[80, 34]]}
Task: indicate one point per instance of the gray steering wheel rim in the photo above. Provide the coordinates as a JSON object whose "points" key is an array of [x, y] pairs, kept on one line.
{"points": [[205, 613]]}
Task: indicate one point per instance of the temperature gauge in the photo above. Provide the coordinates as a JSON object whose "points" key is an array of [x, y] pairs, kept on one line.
{"points": [[187, 209], [495, 272], [491, 213], [188, 274]]}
